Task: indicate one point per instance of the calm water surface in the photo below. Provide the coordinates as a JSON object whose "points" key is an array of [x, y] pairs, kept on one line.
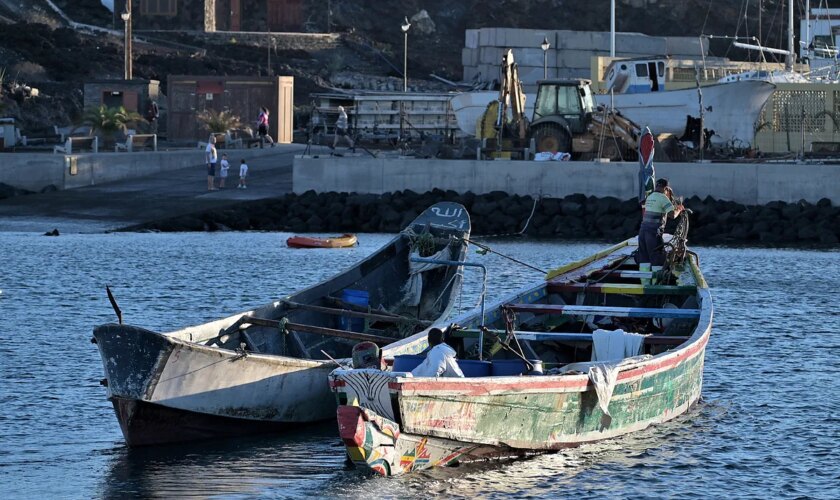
{"points": [[768, 424]]}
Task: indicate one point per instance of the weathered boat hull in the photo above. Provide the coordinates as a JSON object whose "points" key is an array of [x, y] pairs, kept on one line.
{"points": [[392, 423], [543, 414], [730, 109], [153, 378], [145, 424], [233, 376]]}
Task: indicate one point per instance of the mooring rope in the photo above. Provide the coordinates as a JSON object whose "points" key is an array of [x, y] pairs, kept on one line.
{"points": [[488, 249], [521, 231]]}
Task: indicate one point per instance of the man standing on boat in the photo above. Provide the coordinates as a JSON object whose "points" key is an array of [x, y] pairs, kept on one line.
{"points": [[440, 359], [658, 208]]}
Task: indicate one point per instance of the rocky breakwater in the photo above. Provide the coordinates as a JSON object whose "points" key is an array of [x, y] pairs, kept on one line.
{"points": [[573, 217]]}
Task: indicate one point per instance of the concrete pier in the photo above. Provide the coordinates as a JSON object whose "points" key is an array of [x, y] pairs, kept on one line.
{"points": [[746, 183], [36, 171], [111, 190]]}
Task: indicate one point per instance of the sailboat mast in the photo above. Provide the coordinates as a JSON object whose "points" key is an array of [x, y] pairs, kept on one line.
{"points": [[807, 39], [791, 55], [612, 28]]}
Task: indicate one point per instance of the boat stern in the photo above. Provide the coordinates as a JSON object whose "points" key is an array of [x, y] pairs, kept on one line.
{"points": [[370, 439]]}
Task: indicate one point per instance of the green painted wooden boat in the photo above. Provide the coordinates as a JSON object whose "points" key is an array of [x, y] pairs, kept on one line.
{"points": [[393, 423]]}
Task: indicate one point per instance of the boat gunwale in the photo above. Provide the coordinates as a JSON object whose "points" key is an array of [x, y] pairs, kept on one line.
{"points": [[397, 239], [629, 372]]}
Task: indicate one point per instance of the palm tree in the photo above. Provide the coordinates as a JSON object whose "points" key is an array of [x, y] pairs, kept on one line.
{"points": [[107, 121], [218, 122]]}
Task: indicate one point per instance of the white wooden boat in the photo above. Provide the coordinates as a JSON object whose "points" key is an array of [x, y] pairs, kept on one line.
{"points": [[266, 369]]}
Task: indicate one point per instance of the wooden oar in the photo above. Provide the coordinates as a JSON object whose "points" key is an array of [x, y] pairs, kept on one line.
{"points": [[317, 330]]}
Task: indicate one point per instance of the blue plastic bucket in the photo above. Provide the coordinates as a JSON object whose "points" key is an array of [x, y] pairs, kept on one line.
{"points": [[355, 297], [473, 368], [407, 362], [513, 367]]}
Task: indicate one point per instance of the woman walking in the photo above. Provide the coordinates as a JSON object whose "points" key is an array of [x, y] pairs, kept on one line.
{"points": [[341, 129], [262, 127]]}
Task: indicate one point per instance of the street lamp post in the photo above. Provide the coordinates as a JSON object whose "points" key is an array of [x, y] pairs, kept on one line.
{"points": [[405, 26], [126, 17], [544, 46]]}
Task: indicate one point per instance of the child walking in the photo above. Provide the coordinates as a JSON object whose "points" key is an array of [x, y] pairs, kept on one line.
{"points": [[223, 171], [243, 175]]}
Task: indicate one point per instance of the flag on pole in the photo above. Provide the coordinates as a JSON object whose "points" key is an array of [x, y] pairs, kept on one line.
{"points": [[647, 174]]}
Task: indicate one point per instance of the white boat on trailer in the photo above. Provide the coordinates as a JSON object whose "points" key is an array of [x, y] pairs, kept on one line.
{"points": [[639, 94], [729, 109]]}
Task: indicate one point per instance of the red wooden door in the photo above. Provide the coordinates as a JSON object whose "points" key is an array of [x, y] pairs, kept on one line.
{"points": [[235, 15], [285, 15]]}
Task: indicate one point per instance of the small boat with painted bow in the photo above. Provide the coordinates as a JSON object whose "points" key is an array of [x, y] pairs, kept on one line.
{"points": [[266, 369], [550, 367], [343, 241]]}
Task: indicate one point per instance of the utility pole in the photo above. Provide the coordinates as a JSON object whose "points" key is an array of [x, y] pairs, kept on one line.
{"points": [[329, 16], [268, 68], [126, 16]]}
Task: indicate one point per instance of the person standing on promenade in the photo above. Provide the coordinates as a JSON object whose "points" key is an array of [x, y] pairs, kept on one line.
{"points": [[341, 129], [152, 115], [224, 165], [658, 208], [262, 127], [243, 175], [211, 155]]}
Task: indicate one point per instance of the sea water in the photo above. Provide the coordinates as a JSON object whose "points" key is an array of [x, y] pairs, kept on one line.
{"points": [[768, 423]]}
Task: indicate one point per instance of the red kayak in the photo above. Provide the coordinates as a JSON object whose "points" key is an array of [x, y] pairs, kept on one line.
{"points": [[345, 240]]}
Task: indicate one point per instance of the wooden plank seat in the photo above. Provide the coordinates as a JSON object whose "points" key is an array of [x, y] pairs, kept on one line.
{"points": [[624, 274], [618, 312], [373, 316], [248, 321], [568, 337], [75, 144], [622, 288], [137, 142]]}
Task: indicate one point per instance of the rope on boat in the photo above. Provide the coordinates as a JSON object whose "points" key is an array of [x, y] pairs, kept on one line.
{"points": [[521, 231], [486, 249]]}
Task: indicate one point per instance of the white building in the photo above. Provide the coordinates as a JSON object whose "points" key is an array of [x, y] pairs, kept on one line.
{"points": [[818, 34]]}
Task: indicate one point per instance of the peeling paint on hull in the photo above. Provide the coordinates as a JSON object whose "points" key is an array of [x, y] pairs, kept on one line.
{"points": [[392, 423], [145, 424], [249, 371], [443, 429], [210, 392]]}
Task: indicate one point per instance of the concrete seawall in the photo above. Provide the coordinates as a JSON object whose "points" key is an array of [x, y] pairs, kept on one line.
{"points": [[37, 171], [749, 184]]}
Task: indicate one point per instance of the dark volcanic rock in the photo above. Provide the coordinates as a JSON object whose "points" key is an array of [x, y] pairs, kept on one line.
{"points": [[574, 216], [7, 191]]}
